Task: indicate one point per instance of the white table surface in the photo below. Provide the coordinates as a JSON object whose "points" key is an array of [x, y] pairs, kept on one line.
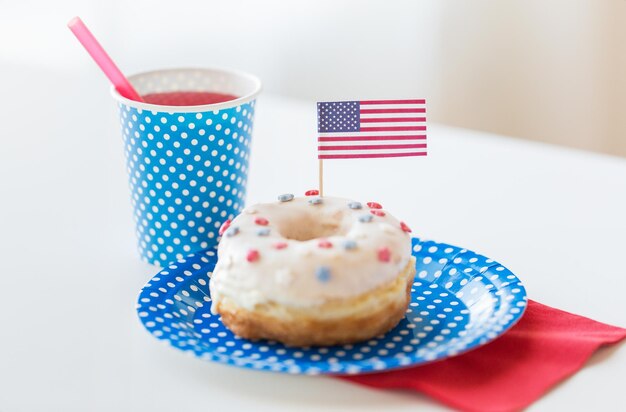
{"points": [[69, 336]]}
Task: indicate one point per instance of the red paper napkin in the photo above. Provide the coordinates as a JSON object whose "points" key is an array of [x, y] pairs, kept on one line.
{"points": [[546, 346]]}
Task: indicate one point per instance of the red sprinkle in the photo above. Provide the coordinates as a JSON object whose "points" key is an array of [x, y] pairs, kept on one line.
{"points": [[280, 245], [374, 205], [377, 212], [261, 221], [384, 255], [224, 227], [325, 244], [312, 192], [252, 256], [404, 227]]}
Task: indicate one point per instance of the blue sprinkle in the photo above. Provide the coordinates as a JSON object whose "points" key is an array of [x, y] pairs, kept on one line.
{"points": [[366, 218], [349, 244], [263, 231], [232, 231], [355, 205], [315, 201], [286, 197], [323, 274]]}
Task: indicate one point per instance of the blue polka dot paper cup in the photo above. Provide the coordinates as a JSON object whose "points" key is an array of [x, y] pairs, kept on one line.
{"points": [[187, 165]]}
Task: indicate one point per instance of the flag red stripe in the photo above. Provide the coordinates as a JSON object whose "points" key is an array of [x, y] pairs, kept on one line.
{"points": [[371, 155], [372, 147], [394, 119], [356, 138], [393, 129], [408, 101], [376, 111]]}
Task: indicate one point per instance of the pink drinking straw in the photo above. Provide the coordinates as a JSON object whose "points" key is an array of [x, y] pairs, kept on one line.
{"points": [[121, 83]]}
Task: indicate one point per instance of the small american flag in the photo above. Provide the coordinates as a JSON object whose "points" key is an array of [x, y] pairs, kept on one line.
{"points": [[371, 128]]}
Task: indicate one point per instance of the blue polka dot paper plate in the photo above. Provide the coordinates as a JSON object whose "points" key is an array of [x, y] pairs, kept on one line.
{"points": [[460, 300]]}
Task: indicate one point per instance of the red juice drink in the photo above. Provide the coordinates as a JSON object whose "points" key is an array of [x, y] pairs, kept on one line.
{"points": [[187, 98]]}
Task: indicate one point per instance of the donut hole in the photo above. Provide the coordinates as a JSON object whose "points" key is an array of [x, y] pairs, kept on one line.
{"points": [[311, 227]]}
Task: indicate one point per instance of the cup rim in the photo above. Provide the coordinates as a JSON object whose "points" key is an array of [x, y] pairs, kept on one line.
{"points": [[197, 108]]}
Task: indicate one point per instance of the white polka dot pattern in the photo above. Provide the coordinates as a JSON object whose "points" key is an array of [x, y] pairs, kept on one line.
{"points": [[460, 300], [188, 173]]}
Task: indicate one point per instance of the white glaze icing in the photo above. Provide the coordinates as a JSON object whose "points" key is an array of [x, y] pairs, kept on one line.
{"points": [[288, 276]]}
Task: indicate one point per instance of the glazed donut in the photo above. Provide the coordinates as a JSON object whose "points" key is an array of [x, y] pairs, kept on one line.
{"points": [[312, 271]]}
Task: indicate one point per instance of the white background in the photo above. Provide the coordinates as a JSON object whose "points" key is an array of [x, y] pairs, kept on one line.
{"points": [[550, 71]]}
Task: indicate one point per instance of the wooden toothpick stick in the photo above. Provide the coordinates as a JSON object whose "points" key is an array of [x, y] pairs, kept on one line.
{"points": [[321, 177]]}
